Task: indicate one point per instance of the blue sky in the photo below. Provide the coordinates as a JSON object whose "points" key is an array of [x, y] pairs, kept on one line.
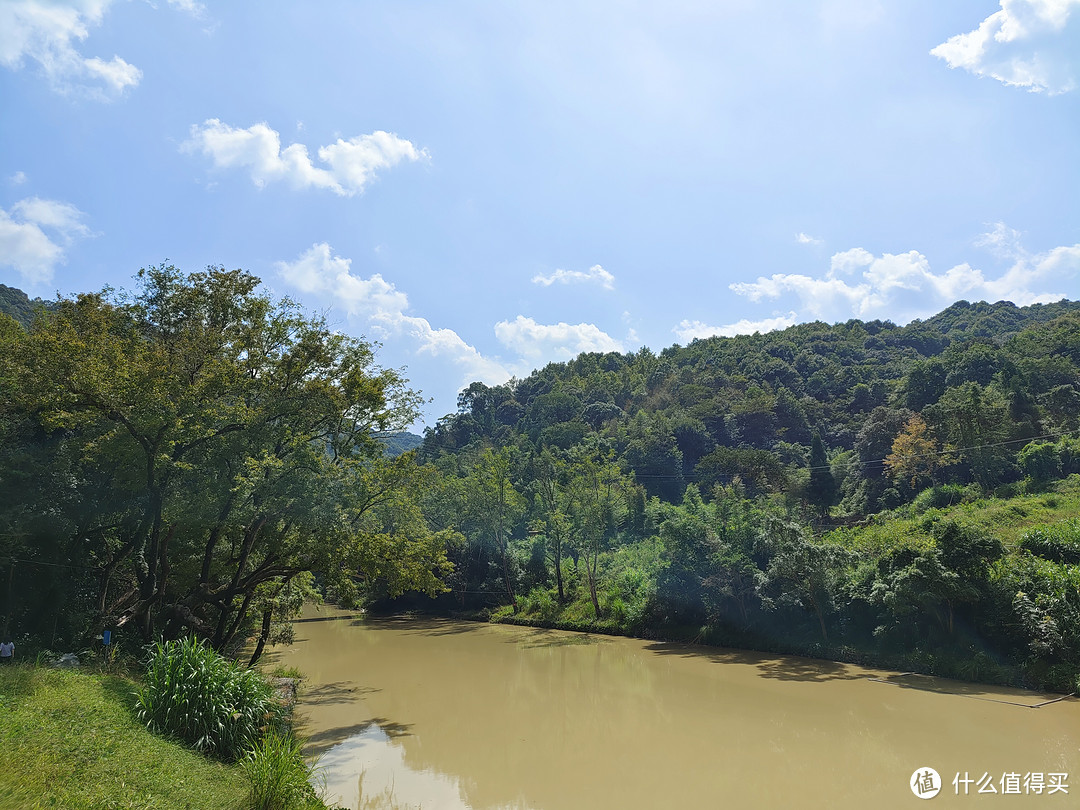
{"points": [[484, 187]]}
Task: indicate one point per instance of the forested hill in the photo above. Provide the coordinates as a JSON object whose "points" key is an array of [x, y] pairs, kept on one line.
{"points": [[984, 378], [19, 305], [394, 444], [166, 468]]}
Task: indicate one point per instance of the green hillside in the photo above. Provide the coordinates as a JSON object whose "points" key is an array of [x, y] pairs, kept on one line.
{"points": [[857, 490], [19, 305], [196, 458]]}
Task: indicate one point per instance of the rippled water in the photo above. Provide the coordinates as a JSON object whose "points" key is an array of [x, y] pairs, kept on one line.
{"points": [[443, 714]]}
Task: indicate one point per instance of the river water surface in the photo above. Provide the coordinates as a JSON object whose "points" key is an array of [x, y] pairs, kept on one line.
{"points": [[452, 715]]}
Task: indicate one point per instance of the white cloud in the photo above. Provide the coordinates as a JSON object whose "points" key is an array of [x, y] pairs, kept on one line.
{"points": [[806, 239], [849, 261], [24, 244], [1026, 43], [319, 271], [687, 331], [538, 342], [352, 163], [46, 32], [595, 273], [1003, 241], [902, 287], [17, 179], [385, 308], [195, 9]]}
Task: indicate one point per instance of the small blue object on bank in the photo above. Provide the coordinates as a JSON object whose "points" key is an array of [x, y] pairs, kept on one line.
{"points": [[105, 636]]}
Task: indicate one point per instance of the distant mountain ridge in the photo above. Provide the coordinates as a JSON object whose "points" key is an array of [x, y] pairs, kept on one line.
{"points": [[19, 305], [395, 444]]}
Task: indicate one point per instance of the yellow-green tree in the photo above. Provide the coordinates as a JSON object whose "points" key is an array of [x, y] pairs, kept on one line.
{"points": [[916, 455]]}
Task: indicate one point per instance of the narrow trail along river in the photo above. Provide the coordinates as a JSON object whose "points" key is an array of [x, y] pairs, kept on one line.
{"points": [[446, 715]]}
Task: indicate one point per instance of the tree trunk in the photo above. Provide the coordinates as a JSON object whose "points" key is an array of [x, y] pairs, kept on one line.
{"points": [[506, 572], [264, 634], [590, 574], [558, 573]]}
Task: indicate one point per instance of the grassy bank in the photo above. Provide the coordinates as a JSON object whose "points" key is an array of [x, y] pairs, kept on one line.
{"points": [[69, 740]]}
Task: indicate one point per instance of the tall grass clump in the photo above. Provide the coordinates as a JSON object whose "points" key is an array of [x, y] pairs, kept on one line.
{"points": [[1059, 542], [280, 778], [214, 705]]}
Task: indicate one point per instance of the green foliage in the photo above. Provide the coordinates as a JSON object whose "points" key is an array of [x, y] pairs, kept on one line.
{"points": [[940, 496], [18, 305], [192, 456], [183, 448], [759, 471], [800, 572], [822, 490], [195, 695], [540, 605], [1045, 600], [915, 589], [966, 549], [397, 443], [1059, 543], [1040, 461], [280, 777]]}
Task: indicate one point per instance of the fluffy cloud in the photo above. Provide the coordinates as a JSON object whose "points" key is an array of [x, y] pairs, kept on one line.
{"points": [[351, 164], [46, 32], [319, 271], [806, 239], [687, 331], [902, 287], [538, 342], [1027, 43], [596, 273], [24, 244]]}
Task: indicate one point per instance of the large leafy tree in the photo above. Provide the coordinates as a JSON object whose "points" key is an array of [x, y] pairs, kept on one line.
{"points": [[493, 508], [223, 444], [597, 491]]}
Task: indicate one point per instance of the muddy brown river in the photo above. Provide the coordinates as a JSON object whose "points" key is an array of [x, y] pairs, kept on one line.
{"points": [[433, 714]]}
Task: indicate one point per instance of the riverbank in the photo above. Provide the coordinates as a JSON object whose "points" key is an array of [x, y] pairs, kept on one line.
{"points": [[69, 739], [538, 610], [979, 668]]}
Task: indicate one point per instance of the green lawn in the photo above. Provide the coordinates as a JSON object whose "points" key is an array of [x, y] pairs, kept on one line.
{"points": [[69, 740]]}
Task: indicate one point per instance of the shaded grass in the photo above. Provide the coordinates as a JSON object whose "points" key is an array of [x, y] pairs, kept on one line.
{"points": [[70, 740]]}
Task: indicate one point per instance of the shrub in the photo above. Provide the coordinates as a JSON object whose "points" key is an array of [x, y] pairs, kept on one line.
{"points": [[1060, 543], [280, 778], [214, 705], [938, 497], [540, 604], [1040, 461]]}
